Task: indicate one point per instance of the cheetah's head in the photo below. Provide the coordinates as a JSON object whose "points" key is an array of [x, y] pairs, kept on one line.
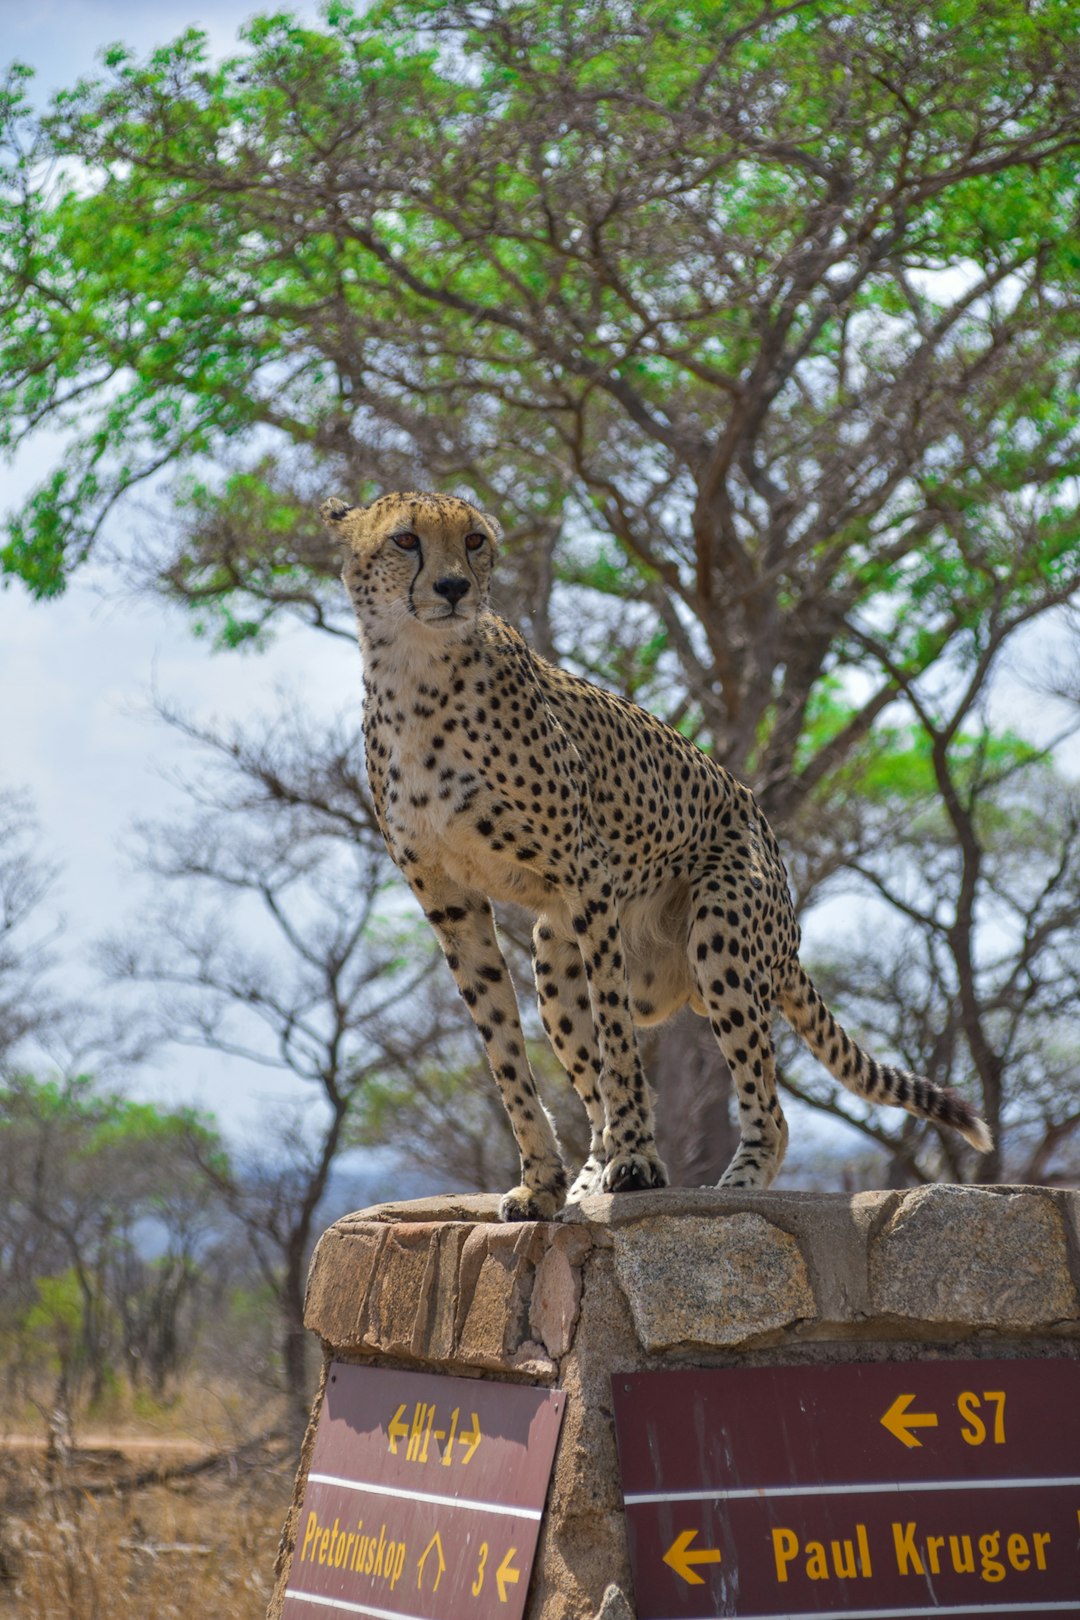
{"points": [[414, 560]]}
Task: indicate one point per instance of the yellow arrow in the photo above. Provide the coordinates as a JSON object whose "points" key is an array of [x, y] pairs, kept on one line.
{"points": [[506, 1575], [474, 1437], [436, 1543], [900, 1422], [682, 1560], [396, 1429]]}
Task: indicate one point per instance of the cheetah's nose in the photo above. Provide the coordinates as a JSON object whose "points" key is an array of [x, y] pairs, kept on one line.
{"points": [[453, 587]]}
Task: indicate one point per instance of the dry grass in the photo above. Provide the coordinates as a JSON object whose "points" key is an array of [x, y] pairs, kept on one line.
{"points": [[79, 1542]]}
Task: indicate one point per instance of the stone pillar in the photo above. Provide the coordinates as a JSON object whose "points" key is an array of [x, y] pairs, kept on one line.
{"points": [[681, 1278]]}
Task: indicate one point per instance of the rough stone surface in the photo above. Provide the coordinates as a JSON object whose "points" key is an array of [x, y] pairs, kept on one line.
{"points": [[399, 1293], [441, 1320], [497, 1267], [488, 1333], [974, 1256], [556, 1297], [471, 1207], [692, 1280], [339, 1281], [615, 1605], [678, 1278]]}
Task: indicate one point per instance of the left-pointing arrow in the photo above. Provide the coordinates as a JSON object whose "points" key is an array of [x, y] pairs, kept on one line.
{"points": [[900, 1421], [396, 1429], [506, 1575], [682, 1560]]}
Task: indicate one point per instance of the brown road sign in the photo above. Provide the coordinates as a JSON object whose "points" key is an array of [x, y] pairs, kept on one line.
{"points": [[879, 1491], [424, 1497]]}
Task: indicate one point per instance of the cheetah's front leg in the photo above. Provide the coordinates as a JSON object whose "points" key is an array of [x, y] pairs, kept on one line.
{"points": [[463, 921], [631, 1161]]}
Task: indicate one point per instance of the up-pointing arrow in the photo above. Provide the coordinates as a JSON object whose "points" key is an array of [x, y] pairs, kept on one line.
{"points": [[435, 1546]]}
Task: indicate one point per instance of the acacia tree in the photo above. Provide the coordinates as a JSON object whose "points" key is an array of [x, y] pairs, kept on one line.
{"points": [[27, 1010], [990, 824], [675, 273], [761, 320], [81, 1167]]}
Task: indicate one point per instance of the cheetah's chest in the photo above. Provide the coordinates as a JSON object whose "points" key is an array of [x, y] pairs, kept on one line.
{"points": [[425, 791], [448, 812], [442, 830]]}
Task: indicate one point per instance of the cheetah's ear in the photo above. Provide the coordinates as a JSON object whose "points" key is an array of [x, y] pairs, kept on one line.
{"points": [[494, 525], [333, 511], [347, 524]]}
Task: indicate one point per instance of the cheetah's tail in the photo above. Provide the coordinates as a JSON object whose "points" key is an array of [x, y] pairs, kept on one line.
{"points": [[809, 1017]]}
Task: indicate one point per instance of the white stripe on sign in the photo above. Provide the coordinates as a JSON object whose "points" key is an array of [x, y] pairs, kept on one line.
{"points": [[891, 1486], [428, 1496], [1068, 1605], [345, 1607]]}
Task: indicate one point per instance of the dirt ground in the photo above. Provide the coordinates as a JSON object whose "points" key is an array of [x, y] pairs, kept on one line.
{"points": [[89, 1536]]}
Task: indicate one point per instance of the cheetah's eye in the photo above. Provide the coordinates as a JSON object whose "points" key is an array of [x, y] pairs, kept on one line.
{"points": [[407, 542], [473, 542]]}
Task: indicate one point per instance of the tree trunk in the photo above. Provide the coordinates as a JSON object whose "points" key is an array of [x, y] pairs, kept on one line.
{"points": [[294, 1346], [694, 1129]]}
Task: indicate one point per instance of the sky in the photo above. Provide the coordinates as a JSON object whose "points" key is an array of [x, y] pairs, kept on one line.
{"points": [[76, 674], [61, 39]]}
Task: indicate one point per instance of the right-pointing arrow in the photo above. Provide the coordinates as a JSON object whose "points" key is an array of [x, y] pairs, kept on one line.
{"points": [[900, 1422], [473, 1436]]}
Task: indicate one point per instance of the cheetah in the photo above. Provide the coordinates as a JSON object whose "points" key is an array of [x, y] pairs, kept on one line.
{"points": [[654, 879]]}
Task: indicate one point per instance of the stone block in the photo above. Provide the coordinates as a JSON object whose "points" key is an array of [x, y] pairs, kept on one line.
{"points": [[470, 1207], [495, 1277], [339, 1282], [397, 1311], [577, 1567], [1068, 1204], [488, 1331], [710, 1281], [445, 1260], [556, 1300], [974, 1257]]}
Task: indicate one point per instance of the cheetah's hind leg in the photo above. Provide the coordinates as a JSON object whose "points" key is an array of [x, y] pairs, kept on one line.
{"points": [[762, 1126], [563, 999], [741, 1023]]}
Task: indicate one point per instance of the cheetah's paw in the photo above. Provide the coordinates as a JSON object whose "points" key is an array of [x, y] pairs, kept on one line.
{"points": [[634, 1172], [531, 1203]]}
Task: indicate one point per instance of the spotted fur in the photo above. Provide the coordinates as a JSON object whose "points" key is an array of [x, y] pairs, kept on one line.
{"points": [[653, 876]]}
